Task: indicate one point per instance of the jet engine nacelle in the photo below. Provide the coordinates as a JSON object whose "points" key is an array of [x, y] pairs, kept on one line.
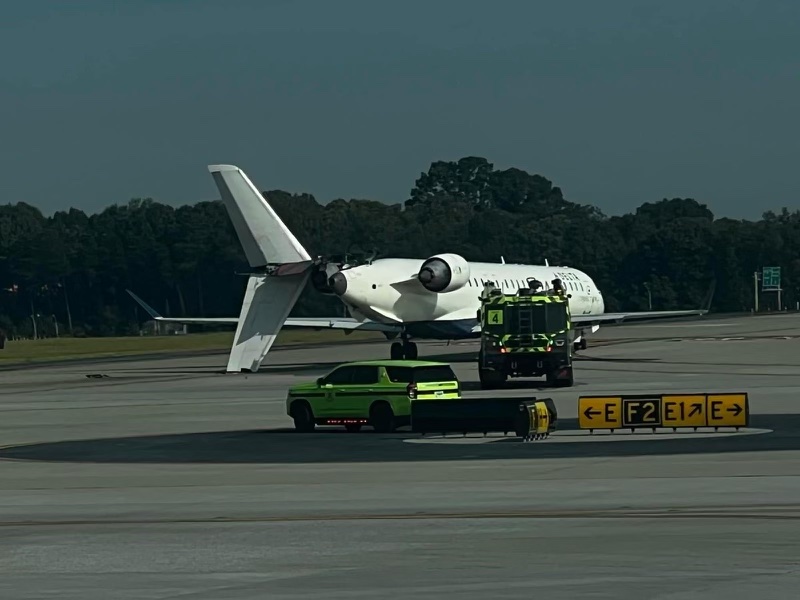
{"points": [[320, 277], [444, 273]]}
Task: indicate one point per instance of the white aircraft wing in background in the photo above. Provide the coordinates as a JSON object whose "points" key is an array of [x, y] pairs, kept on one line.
{"points": [[623, 317], [635, 316]]}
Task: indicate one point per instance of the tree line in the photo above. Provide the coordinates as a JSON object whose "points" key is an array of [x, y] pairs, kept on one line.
{"points": [[70, 271]]}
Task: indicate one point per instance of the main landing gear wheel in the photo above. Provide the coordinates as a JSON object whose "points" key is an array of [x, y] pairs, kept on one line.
{"points": [[405, 350]]}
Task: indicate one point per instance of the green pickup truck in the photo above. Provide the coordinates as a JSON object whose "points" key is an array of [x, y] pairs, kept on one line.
{"points": [[376, 393]]}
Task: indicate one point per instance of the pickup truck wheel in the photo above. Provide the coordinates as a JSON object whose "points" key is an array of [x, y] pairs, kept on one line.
{"points": [[303, 417], [381, 417]]}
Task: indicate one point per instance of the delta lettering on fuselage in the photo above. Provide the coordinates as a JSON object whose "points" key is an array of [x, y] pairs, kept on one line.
{"points": [[566, 276]]}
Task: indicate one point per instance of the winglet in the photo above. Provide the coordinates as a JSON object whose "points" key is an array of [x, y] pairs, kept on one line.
{"points": [[149, 309], [709, 297], [261, 232]]}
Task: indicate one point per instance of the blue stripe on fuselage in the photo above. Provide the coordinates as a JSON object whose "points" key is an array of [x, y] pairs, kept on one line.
{"points": [[442, 330]]}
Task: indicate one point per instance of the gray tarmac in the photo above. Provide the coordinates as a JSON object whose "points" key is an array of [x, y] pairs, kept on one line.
{"points": [[164, 478]]}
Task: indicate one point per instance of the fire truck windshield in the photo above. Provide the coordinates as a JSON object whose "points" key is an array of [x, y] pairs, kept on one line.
{"points": [[549, 317]]}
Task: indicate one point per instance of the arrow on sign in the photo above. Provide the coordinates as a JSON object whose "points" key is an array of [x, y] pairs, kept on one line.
{"points": [[589, 412], [736, 410], [697, 409]]}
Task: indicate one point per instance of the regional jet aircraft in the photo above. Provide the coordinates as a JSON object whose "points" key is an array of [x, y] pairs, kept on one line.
{"points": [[433, 298]]}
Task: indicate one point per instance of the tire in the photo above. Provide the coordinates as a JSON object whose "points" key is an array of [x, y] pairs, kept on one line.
{"points": [[491, 379], [566, 382], [303, 417], [353, 428], [410, 351], [381, 417], [397, 351]]}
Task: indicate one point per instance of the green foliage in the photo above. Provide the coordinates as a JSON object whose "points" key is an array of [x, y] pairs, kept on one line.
{"points": [[72, 269]]}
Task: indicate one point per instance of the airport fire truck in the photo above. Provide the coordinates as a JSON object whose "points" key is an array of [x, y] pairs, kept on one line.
{"points": [[527, 334]]}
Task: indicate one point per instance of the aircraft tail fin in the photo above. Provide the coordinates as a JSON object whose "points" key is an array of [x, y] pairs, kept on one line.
{"points": [[265, 238]]}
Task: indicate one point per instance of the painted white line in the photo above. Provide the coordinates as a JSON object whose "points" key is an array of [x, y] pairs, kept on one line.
{"points": [[579, 436]]}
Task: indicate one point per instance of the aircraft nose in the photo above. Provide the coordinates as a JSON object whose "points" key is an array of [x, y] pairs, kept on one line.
{"points": [[338, 283]]}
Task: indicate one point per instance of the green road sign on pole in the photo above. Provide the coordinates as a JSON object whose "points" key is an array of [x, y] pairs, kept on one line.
{"points": [[771, 278]]}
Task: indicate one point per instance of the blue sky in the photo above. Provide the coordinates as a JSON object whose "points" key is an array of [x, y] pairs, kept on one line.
{"points": [[617, 102]]}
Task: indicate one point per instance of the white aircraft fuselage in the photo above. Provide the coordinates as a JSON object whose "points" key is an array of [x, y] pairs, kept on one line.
{"points": [[389, 291]]}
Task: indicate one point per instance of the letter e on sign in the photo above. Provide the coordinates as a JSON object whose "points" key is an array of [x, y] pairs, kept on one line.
{"points": [[687, 410], [599, 412], [727, 410]]}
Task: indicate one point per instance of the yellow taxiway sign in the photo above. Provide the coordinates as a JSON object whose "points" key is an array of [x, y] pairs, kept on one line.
{"points": [[663, 410]]}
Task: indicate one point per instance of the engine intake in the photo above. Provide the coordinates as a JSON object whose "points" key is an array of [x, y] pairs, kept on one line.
{"points": [[321, 278], [444, 273]]}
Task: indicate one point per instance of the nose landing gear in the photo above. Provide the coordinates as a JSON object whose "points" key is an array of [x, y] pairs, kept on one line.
{"points": [[404, 350]]}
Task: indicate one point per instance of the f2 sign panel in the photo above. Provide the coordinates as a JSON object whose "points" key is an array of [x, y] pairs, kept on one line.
{"points": [[641, 412]]}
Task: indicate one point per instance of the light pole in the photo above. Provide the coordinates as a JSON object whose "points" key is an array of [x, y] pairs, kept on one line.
{"points": [[33, 319], [755, 290], [649, 296]]}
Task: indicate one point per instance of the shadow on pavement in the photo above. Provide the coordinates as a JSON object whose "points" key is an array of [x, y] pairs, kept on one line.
{"points": [[284, 446]]}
